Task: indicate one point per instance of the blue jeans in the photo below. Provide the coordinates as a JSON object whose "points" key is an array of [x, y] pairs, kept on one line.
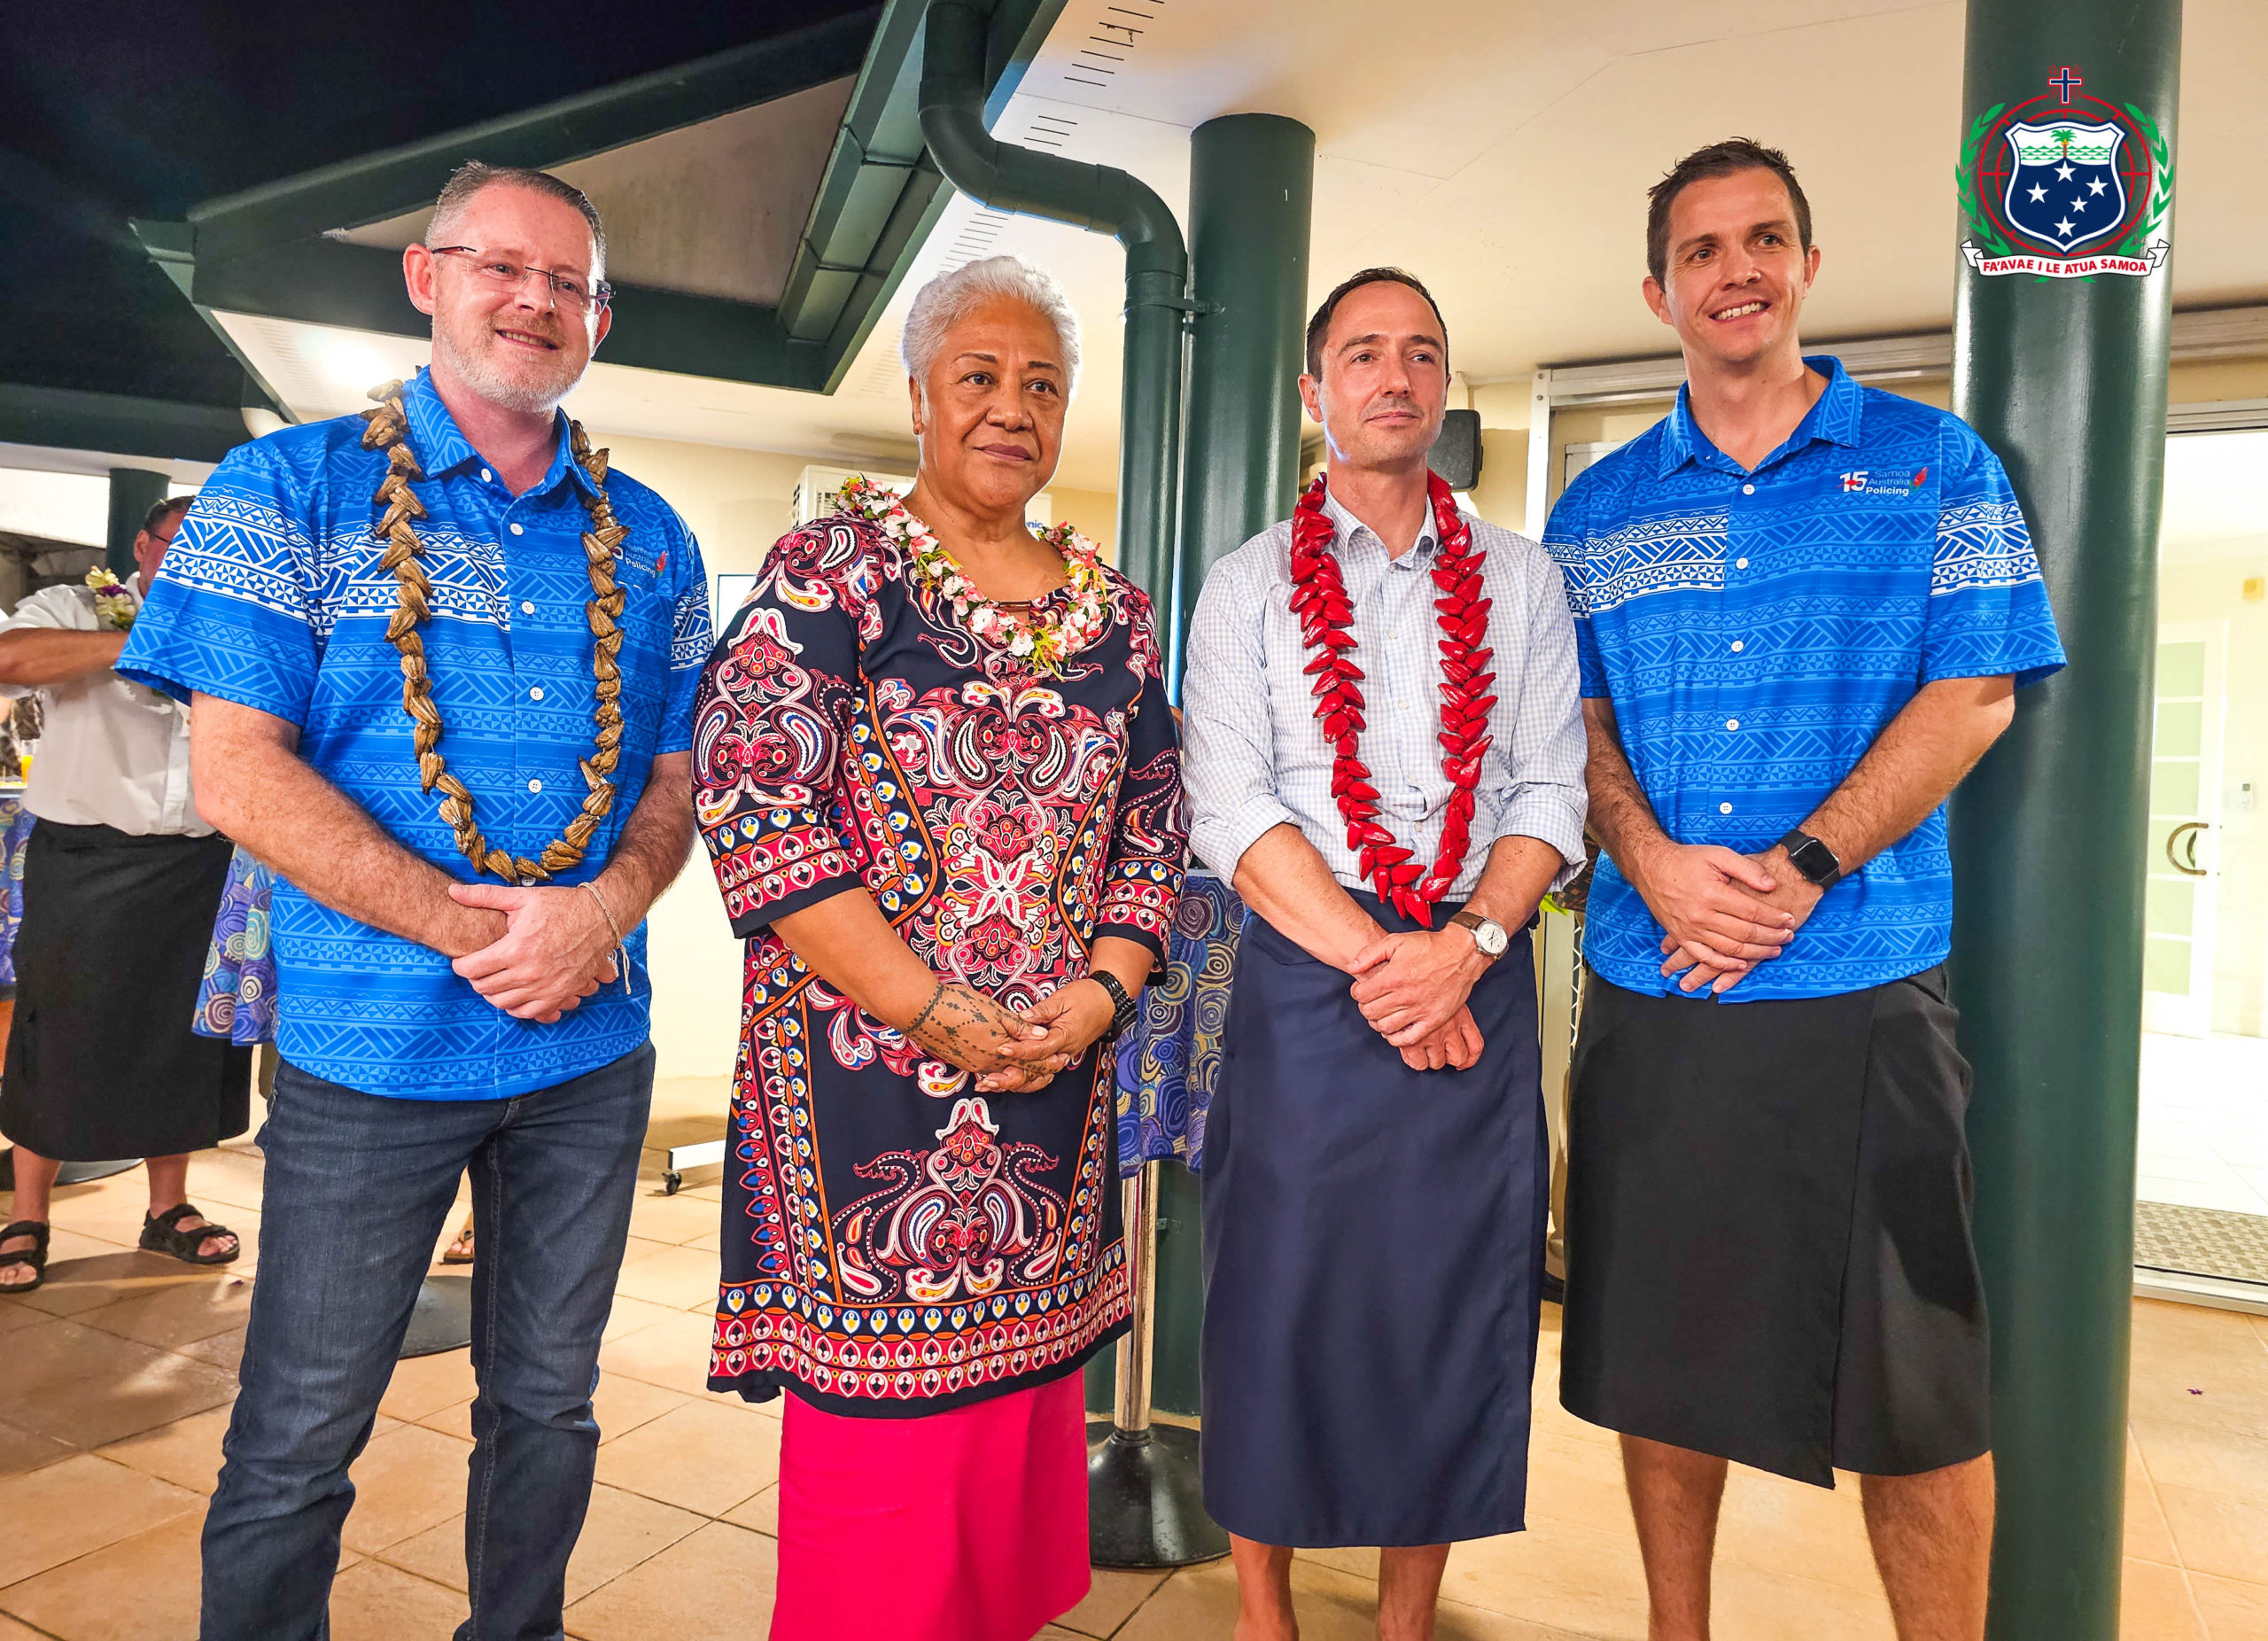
{"points": [[359, 1188]]}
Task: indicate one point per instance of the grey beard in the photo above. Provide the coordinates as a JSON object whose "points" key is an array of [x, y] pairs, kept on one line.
{"points": [[484, 379]]}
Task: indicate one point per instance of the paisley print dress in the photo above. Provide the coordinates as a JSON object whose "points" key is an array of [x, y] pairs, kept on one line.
{"points": [[894, 1242]]}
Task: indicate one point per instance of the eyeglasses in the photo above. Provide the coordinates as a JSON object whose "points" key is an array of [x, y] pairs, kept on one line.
{"points": [[568, 291]]}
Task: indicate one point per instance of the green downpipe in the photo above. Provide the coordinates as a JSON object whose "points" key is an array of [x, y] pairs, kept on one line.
{"points": [[2066, 379], [1103, 201], [133, 491]]}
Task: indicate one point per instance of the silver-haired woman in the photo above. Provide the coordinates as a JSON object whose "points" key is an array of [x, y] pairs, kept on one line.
{"points": [[938, 778]]}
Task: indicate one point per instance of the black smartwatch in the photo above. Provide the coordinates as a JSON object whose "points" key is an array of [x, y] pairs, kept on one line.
{"points": [[1815, 860], [1123, 1014]]}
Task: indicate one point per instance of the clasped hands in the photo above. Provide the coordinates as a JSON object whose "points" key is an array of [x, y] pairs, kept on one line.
{"points": [[1012, 1051], [1725, 911], [1412, 989], [554, 950]]}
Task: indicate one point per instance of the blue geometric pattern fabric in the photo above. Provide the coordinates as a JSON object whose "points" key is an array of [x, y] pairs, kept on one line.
{"points": [[272, 597], [1756, 631], [1169, 1063]]}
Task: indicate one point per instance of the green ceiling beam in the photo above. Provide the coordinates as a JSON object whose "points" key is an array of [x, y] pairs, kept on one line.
{"points": [[881, 194], [66, 418], [330, 282], [374, 187]]}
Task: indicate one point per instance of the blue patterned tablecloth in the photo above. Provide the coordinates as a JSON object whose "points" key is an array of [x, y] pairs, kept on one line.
{"points": [[17, 821], [238, 1000], [1168, 1063]]}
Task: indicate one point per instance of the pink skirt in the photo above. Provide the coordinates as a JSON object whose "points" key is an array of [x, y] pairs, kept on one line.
{"points": [[965, 1526]]}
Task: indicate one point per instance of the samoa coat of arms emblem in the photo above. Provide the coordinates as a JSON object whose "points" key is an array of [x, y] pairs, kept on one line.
{"points": [[2065, 186]]}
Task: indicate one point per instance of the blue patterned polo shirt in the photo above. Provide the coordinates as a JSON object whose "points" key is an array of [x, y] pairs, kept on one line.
{"points": [[272, 597], [1756, 631]]}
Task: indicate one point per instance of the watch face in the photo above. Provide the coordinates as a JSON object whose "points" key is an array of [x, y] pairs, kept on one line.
{"points": [[1491, 938]]}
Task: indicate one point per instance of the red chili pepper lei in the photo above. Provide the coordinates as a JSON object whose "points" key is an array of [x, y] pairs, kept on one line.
{"points": [[1319, 599]]}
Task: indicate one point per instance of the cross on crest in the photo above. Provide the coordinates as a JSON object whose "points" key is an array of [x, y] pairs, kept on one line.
{"points": [[2065, 79]]}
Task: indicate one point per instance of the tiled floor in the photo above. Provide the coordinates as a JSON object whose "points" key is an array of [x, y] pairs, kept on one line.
{"points": [[2205, 1133], [116, 1381]]}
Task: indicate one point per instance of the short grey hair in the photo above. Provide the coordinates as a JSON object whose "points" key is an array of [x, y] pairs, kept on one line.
{"points": [[953, 297], [475, 176]]}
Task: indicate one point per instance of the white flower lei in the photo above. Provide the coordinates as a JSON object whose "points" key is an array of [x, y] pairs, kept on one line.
{"points": [[1042, 642], [113, 604]]}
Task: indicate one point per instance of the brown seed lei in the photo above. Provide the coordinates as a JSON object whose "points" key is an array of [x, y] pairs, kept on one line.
{"points": [[389, 431]]}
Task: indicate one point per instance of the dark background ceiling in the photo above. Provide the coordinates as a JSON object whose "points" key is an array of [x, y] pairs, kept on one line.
{"points": [[111, 111]]}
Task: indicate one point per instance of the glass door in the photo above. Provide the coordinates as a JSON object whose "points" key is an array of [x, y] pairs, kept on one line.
{"points": [[2177, 956]]}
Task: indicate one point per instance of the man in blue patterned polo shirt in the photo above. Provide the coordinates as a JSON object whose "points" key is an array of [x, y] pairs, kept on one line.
{"points": [[458, 914], [1802, 610]]}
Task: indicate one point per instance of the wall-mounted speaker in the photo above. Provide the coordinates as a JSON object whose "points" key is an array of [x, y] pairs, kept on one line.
{"points": [[1455, 455]]}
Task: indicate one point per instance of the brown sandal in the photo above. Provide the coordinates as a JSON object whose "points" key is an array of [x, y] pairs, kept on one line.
{"points": [[161, 1233], [35, 1256], [459, 1252]]}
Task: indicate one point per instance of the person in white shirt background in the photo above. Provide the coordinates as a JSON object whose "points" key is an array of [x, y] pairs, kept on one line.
{"points": [[121, 881]]}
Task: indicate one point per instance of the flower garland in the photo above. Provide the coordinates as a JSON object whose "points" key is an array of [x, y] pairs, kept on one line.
{"points": [[1043, 644], [388, 432], [113, 604], [1319, 599]]}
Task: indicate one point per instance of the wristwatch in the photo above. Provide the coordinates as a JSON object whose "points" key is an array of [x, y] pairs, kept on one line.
{"points": [[1815, 860], [1487, 933], [1123, 1014]]}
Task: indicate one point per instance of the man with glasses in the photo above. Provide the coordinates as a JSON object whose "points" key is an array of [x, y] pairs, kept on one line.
{"points": [[441, 663]]}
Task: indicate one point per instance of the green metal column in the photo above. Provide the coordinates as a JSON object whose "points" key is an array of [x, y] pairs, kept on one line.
{"points": [[1251, 196], [2066, 379], [1251, 188], [133, 492]]}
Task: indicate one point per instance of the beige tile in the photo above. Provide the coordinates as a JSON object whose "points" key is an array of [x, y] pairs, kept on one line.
{"points": [[683, 1278], [2155, 1604], [673, 1353], [1775, 1525], [2148, 1538], [14, 1315], [140, 1588], [673, 1219], [186, 1452], [426, 1384], [1556, 1573], [704, 1457], [69, 1509], [629, 1315], [84, 1274], [621, 1404], [11, 1630], [1760, 1606], [718, 1572], [222, 1350], [621, 1530], [88, 1388], [374, 1602], [709, 1244], [455, 1421], [1110, 1601], [761, 1513], [27, 1449], [406, 1479], [1574, 1480], [221, 1180], [178, 1314], [2213, 1461], [2225, 1537], [1200, 1603], [2231, 1610], [1354, 1562]]}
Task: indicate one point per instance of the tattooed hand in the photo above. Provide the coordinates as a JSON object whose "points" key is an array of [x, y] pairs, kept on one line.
{"points": [[962, 1025]]}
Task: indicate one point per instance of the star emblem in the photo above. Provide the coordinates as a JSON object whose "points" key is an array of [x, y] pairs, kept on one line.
{"points": [[2096, 186], [2063, 172], [2080, 203], [2039, 192], [2063, 227]]}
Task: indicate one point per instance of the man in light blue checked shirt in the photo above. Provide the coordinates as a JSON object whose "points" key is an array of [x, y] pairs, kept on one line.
{"points": [[1376, 1172], [437, 1011]]}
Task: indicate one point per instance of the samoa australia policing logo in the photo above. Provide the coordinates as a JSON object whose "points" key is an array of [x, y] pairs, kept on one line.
{"points": [[2065, 186]]}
